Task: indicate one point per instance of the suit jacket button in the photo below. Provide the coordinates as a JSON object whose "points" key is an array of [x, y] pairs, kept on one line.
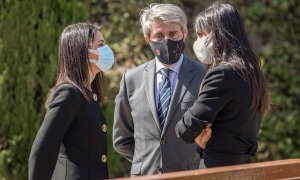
{"points": [[104, 128], [162, 141], [103, 158], [160, 170]]}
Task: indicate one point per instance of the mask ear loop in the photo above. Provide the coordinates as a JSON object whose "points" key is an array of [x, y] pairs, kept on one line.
{"points": [[209, 46], [93, 61], [208, 39], [94, 52]]}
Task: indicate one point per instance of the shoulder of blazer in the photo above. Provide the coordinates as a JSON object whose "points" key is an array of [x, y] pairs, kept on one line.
{"points": [[65, 92], [191, 65], [225, 70], [134, 72], [68, 86], [227, 74], [72, 89]]}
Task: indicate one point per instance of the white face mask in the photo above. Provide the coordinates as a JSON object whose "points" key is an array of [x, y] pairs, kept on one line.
{"points": [[105, 58], [202, 48]]}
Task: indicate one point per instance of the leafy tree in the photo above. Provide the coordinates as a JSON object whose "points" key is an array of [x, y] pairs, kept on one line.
{"points": [[274, 27], [29, 32]]}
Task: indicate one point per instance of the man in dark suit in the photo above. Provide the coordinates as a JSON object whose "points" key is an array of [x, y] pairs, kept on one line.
{"points": [[154, 96]]}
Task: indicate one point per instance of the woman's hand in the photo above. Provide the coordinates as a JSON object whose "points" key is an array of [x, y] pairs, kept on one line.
{"points": [[204, 137]]}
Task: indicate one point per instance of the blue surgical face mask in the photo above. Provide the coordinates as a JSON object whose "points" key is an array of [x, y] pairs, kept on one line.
{"points": [[105, 58]]}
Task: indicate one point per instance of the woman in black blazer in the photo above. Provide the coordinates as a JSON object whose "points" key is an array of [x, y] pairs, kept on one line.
{"points": [[233, 97], [71, 142]]}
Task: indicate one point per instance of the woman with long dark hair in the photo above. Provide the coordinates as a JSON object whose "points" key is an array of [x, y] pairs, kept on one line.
{"points": [[234, 96], [72, 140]]}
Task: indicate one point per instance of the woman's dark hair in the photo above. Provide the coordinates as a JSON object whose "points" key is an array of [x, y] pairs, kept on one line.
{"points": [[73, 66], [231, 46]]}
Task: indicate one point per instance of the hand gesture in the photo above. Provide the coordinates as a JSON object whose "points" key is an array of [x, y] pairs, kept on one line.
{"points": [[204, 137]]}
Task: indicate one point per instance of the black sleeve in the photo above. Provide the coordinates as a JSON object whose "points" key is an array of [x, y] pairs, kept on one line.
{"points": [[45, 149], [214, 95]]}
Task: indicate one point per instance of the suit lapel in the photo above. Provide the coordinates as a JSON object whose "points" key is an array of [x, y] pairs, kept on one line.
{"points": [[149, 79], [182, 83]]}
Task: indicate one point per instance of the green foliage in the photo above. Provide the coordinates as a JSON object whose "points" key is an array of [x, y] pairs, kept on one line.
{"points": [[275, 30], [29, 32], [29, 37]]}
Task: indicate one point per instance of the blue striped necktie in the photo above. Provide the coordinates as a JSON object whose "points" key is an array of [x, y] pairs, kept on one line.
{"points": [[164, 97]]}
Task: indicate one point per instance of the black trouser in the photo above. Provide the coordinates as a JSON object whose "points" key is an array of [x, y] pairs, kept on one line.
{"points": [[212, 159]]}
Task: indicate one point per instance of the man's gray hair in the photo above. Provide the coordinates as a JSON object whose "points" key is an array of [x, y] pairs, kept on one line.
{"points": [[165, 13]]}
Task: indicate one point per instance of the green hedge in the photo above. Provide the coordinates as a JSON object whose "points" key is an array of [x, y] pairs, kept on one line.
{"points": [[28, 55], [275, 30], [29, 32]]}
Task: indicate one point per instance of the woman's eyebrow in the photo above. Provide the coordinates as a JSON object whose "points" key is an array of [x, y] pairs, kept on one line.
{"points": [[101, 41]]}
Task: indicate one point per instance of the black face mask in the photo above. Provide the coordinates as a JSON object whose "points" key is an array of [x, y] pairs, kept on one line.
{"points": [[167, 51]]}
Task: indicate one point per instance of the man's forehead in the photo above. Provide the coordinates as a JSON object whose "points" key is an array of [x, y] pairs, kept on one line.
{"points": [[157, 27]]}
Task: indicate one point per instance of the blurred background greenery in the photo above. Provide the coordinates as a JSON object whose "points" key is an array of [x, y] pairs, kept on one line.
{"points": [[29, 32]]}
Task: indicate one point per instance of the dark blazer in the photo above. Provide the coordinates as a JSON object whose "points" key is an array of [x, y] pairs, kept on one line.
{"points": [[71, 142], [137, 134], [225, 102]]}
